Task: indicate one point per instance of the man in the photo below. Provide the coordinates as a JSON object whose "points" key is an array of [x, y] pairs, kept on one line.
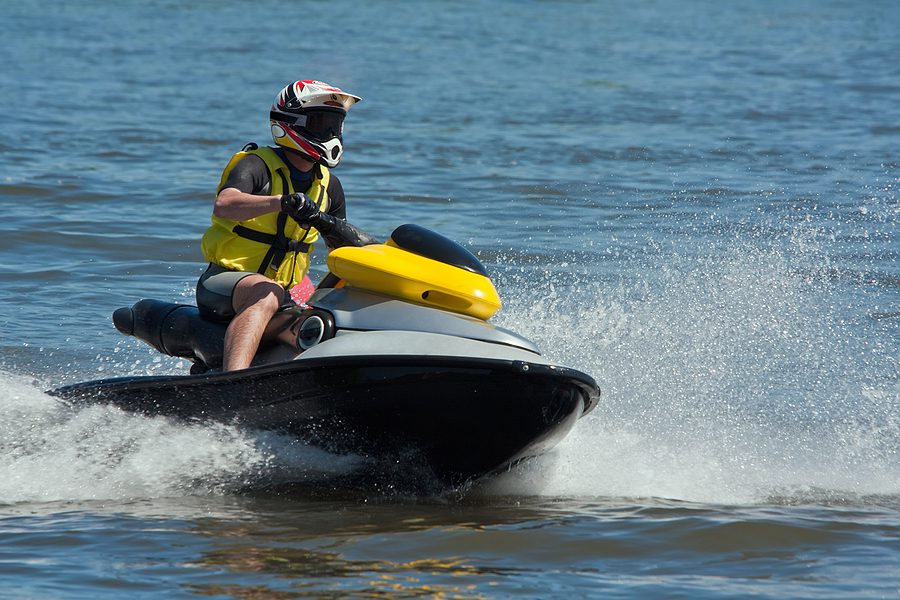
{"points": [[271, 206]]}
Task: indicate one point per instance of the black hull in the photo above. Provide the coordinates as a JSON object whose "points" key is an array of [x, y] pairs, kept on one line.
{"points": [[462, 417]]}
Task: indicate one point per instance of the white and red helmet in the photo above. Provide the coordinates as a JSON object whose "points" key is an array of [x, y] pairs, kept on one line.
{"points": [[308, 117]]}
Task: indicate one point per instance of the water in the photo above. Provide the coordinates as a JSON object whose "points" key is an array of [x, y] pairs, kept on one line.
{"points": [[695, 203]]}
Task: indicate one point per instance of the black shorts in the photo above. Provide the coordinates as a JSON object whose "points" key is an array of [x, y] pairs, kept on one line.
{"points": [[215, 289]]}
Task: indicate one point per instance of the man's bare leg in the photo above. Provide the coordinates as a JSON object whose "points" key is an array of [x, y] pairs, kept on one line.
{"points": [[256, 299]]}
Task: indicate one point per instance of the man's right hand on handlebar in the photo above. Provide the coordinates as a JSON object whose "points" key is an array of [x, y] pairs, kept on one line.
{"points": [[299, 207]]}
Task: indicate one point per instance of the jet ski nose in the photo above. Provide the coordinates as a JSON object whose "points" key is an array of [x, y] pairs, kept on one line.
{"points": [[123, 319]]}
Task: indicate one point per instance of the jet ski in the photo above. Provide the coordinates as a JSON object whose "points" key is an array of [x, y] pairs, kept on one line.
{"points": [[391, 358]]}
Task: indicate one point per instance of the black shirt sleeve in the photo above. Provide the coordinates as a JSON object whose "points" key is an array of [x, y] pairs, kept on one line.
{"points": [[251, 176], [336, 202]]}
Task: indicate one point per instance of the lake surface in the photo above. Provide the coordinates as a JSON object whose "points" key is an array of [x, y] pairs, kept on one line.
{"points": [[694, 202]]}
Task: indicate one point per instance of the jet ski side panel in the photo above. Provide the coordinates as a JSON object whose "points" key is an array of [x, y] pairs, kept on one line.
{"points": [[464, 418], [366, 311], [415, 343]]}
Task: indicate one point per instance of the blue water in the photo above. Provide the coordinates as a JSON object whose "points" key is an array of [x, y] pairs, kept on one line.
{"points": [[694, 202]]}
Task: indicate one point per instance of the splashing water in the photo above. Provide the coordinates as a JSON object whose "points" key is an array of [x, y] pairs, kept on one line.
{"points": [[50, 451], [732, 376]]}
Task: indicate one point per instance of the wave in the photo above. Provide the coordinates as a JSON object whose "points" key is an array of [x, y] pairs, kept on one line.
{"points": [[50, 452], [733, 376]]}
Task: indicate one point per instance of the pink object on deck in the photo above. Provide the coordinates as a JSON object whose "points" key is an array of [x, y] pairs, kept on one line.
{"points": [[301, 292]]}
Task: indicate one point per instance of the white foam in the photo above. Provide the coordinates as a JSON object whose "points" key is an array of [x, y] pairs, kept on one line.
{"points": [[728, 377], [53, 452]]}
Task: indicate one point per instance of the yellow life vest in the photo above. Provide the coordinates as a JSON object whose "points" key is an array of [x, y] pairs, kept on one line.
{"points": [[272, 244]]}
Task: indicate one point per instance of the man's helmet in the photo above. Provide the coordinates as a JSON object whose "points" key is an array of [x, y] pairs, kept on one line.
{"points": [[308, 117]]}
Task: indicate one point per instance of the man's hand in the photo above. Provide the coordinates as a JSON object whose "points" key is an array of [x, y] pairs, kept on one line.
{"points": [[299, 207]]}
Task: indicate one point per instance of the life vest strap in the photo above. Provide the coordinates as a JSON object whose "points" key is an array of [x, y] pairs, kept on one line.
{"points": [[279, 245]]}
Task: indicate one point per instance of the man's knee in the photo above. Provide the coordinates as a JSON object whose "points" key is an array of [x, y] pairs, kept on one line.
{"points": [[260, 291]]}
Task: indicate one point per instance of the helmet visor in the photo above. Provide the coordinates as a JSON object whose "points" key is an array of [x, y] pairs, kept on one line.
{"points": [[324, 125]]}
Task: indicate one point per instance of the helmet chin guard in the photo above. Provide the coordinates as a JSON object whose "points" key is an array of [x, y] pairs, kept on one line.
{"points": [[307, 117]]}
